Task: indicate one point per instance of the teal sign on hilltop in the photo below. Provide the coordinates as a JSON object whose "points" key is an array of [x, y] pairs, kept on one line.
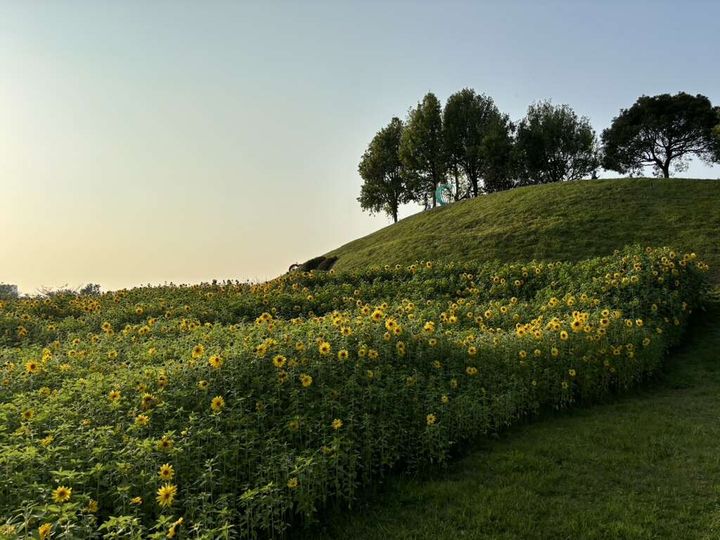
{"points": [[443, 194]]}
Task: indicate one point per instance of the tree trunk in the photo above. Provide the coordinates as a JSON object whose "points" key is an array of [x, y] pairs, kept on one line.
{"points": [[666, 169]]}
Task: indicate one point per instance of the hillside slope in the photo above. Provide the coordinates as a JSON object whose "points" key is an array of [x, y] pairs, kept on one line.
{"points": [[567, 221]]}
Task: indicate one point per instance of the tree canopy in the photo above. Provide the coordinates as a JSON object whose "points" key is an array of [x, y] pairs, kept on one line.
{"points": [[552, 144], [381, 169], [422, 150], [474, 131], [662, 131]]}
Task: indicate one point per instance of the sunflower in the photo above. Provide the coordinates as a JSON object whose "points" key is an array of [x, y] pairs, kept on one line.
{"points": [[198, 351], [306, 380], [346, 331], [165, 444], [166, 472], [202, 385], [292, 483], [342, 354], [377, 315], [28, 415], [430, 419], [337, 424], [142, 420], [471, 370], [324, 348], [32, 367], [136, 501], [166, 495], [114, 395], [45, 530], [571, 372], [217, 404], [92, 506], [215, 361], [563, 335], [279, 360], [61, 494], [106, 327]]}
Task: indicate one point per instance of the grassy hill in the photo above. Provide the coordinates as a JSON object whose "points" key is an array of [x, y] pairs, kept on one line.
{"points": [[568, 221]]}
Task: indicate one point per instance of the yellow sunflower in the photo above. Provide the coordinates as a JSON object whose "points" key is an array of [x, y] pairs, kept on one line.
{"points": [[166, 495], [217, 404], [61, 494], [166, 472]]}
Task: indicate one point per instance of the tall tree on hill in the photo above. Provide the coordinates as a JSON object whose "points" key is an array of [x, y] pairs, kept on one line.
{"points": [[473, 131], [385, 187], [422, 149], [498, 161], [662, 131], [552, 144]]}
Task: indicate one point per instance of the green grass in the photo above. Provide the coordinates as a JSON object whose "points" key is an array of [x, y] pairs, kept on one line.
{"points": [[568, 221], [645, 466]]}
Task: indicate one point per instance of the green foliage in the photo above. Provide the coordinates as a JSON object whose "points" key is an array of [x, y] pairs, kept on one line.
{"points": [[662, 131], [8, 291], [477, 139], [552, 144], [385, 182], [422, 150], [270, 401]]}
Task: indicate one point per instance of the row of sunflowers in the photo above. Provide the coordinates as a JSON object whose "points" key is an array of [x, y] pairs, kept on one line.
{"points": [[232, 410]]}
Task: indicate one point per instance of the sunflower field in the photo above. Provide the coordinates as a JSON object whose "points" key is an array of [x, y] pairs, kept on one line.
{"points": [[239, 411]]}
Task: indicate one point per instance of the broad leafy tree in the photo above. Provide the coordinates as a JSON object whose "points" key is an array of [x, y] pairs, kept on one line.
{"points": [[498, 147], [473, 128], [384, 187], [554, 144], [662, 131], [422, 149]]}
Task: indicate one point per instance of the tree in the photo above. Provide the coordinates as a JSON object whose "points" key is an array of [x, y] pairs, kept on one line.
{"points": [[8, 291], [552, 144], [473, 133], [498, 148], [380, 167], [662, 131], [422, 150]]}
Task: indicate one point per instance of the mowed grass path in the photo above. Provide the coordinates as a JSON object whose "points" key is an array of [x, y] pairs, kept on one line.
{"points": [[644, 466]]}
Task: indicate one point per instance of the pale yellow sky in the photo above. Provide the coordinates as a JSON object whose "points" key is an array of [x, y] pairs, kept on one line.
{"points": [[186, 141]]}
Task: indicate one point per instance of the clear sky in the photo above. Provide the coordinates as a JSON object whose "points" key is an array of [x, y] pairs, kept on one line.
{"points": [[145, 142]]}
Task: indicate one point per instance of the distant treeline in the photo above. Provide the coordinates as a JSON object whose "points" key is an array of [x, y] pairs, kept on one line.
{"points": [[470, 145]]}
